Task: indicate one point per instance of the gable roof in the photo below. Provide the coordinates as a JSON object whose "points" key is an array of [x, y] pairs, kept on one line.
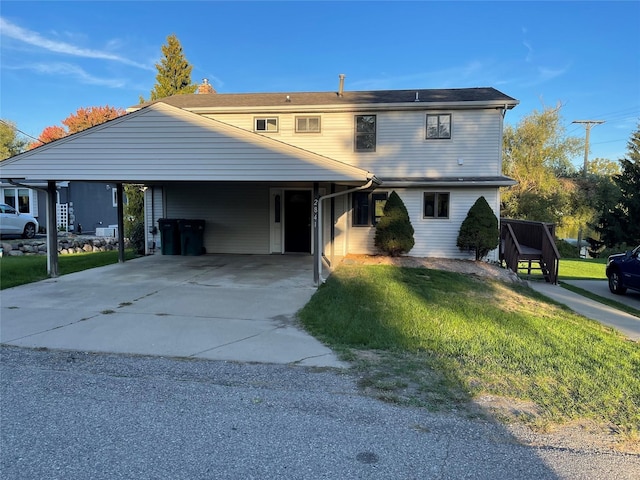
{"points": [[165, 143], [426, 98]]}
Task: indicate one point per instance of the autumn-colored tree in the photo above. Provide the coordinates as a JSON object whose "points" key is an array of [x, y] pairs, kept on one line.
{"points": [[174, 72], [76, 122]]}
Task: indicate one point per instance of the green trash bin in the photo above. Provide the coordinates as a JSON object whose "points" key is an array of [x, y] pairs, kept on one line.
{"points": [[191, 236], [169, 236]]}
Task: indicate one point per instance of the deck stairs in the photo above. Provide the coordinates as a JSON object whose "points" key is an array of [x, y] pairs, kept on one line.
{"points": [[529, 249]]}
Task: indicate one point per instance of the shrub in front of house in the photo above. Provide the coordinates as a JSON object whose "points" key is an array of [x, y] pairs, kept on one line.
{"points": [[394, 232], [479, 231]]}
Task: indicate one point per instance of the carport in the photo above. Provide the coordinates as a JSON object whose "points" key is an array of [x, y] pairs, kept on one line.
{"points": [[170, 151]]}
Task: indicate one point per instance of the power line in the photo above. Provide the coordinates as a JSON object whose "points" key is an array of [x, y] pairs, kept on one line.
{"points": [[20, 131]]}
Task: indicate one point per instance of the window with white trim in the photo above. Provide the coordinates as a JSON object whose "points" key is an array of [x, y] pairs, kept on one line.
{"points": [[18, 198], [308, 124], [264, 124], [439, 126], [436, 205]]}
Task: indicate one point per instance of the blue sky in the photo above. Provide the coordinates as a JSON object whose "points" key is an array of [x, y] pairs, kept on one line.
{"points": [[59, 56]]}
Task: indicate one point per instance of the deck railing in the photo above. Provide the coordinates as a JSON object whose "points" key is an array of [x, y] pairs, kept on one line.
{"points": [[511, 250], [526, 240]]}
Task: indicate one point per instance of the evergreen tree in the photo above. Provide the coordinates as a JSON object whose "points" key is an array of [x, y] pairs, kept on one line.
{"points": [[479, 231], [620, 223], [174, 72], [394, 232]]}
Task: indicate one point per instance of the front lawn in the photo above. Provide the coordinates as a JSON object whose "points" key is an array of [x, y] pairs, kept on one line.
{"points": [[582, 269], [16, 271], [441, 339]]}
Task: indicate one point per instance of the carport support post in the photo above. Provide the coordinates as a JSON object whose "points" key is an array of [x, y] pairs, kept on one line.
{"points": [[52, 230], [120, 208], [317, 252]]}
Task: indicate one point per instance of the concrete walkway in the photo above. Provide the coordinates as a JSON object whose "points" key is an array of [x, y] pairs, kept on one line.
{"points": [[220, 307], [625, 323]]}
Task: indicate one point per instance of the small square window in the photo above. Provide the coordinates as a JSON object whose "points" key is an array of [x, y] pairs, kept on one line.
{"points": [[266, 124], [438, 126], [436, 205], [365, 133], [307, 124]]}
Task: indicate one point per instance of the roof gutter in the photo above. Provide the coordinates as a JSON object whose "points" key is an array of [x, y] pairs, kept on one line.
{"points": [[32, 187], [372, 182]]}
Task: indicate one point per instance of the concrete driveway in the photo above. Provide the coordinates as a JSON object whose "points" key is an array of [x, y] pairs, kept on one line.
{"points": [[221, 307], [601, 288]]}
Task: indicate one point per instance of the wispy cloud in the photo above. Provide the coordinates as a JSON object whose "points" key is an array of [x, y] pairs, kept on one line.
{"points": [[73, 71], [35, 39]]}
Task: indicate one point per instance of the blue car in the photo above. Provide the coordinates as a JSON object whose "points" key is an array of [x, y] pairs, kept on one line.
{"points": [[623, 271]]}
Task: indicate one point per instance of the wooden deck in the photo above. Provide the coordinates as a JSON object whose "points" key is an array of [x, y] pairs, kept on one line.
{"points": [[529, 246]]}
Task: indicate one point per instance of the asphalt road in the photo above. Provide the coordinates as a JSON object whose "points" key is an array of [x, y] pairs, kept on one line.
{"points": [[67, 415]]}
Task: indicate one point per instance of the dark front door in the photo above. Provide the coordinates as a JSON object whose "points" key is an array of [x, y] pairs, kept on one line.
{"points": [[297, 221]]}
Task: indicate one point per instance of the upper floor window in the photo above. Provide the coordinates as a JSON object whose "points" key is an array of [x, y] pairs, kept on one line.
{"points": [[439, 126], [368, 208], [436, 205], [307, 124], [265, 124], [365, 133]]}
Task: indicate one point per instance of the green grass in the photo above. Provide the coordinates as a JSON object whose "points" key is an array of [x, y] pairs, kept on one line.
{"points": [[582, 269], [16, 271], [440, 339]]}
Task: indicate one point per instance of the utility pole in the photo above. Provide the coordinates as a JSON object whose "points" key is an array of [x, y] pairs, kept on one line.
{"points": [[587, 124]]}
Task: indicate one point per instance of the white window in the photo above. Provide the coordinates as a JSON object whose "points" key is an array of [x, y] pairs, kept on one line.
{"points": [[307, 124], [265, 124], [18, 198]]}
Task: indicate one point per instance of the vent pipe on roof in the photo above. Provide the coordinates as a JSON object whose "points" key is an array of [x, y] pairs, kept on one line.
{"points": [[341, 86]]}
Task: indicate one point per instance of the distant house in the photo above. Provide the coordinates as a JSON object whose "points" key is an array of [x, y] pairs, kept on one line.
{"points": [[81, 207], [297, 172]]}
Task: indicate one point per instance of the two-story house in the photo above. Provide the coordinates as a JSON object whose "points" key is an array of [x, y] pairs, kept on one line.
{"points": [[297, 172]]}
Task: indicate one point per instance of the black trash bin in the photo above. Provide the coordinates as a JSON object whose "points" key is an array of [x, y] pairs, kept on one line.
{"points": [[191, 236], [169, 236]]}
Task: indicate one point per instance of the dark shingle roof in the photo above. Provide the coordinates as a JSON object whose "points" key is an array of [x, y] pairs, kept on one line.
{"points": [[450, 95]]}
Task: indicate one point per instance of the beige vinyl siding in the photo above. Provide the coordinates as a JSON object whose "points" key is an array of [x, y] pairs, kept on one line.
{"points": [[434, 237], [236, 215], [162, 142], [401, 150]]}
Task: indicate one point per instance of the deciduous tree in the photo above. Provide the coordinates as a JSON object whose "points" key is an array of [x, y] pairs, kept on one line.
{"points": [[11, 142], [76, 122], [536, 153]]}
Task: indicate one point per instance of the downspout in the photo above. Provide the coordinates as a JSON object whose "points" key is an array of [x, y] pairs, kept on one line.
{"points": [[318, 252]]}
